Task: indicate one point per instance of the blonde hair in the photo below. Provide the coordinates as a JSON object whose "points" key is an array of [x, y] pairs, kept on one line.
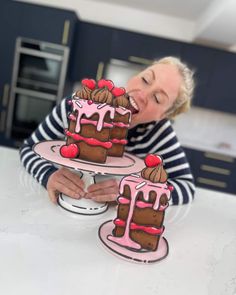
{"points": [[183, 100]]}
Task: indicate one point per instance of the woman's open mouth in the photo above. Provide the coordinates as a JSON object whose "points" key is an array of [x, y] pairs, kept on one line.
{"points": [[133, 107]]}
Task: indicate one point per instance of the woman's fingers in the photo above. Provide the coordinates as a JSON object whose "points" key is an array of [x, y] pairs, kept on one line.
{"points": [[103, 191], [73, 177], [105, 198], [65, 182], [66, 190], [103, 185], [53, 196]]}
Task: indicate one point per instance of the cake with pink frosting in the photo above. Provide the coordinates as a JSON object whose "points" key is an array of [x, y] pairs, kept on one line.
{"points": [[98, 122], [143, 199]]}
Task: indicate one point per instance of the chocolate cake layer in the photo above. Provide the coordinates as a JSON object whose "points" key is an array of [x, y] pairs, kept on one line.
{"points": [[147, 241], [142, 216], [91, 153], [119, 133]]}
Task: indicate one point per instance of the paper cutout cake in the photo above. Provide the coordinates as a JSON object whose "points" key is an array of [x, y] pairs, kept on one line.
{"points": [[142, 203], [98, 123]]}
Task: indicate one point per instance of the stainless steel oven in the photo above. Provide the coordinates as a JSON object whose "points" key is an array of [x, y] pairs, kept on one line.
{"points": [[38, 79]]}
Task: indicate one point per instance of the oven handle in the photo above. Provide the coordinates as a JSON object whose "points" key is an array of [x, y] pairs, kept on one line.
{"points": [[38, 94]]}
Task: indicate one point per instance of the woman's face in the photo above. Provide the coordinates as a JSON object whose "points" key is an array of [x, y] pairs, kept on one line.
{"points": [[152, 92]]}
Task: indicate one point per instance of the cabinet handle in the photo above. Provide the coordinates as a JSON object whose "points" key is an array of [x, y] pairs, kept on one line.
{"points": [[65, 34], [2, 121], [212, 182], [219, 157], [100, 69], [5, 97], [141, 60], [215, 169]]}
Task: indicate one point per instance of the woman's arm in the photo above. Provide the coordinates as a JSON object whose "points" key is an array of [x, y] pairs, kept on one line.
{"points": [[161, 139], [51, 128], [53, 179]]}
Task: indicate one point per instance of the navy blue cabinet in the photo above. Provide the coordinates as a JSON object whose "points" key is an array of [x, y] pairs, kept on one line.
{"points": [[202, 60], [212, 170], [91, 50], [35, 22], [45, 23], [221, 87], [128, 46]]}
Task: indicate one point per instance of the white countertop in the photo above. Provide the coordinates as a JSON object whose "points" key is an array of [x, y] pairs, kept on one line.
{"points": [[207, 130], [45, 250]]}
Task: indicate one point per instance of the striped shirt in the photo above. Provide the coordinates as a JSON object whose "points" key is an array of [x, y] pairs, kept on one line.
{"points": [[155, 137]]}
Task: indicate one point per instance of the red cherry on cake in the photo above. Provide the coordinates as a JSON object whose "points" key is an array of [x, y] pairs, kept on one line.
{"points": [[152, 160], [118, 91], [90, 101], [105, 83], [170, 187], [69, 151], [90, 83]]}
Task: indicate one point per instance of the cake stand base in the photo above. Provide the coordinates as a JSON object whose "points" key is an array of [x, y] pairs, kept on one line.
{"points": [[114, 166], [82, 206], [139, 257]]}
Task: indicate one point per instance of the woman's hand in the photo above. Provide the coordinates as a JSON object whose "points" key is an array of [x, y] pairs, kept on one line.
{"points": [[104, 191], [66, 182]]}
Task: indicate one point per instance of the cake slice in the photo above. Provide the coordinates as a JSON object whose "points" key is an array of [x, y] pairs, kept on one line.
{"points": [[142, 203], [90, 121]]}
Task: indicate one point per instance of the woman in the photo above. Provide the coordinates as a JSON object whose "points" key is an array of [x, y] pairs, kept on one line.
{"points": [[158, 93]]}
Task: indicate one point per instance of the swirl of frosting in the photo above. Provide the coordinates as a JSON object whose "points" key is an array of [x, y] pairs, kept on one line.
{"points": [[121, 101], [155, 174], [102, 95], [84, 93]]}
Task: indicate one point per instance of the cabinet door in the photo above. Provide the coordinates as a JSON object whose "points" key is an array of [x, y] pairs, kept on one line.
{"points": [[8, 32], [128, 46], [212, 171], [92, 47], [221, 86], [201, 59], [30, 21], [45, 23]]}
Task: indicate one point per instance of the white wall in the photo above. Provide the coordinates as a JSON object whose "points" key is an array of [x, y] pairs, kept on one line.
{"points": [[126, 18]]}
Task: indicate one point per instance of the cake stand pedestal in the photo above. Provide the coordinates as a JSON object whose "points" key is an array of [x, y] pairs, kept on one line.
{"points": [[128, 164]]}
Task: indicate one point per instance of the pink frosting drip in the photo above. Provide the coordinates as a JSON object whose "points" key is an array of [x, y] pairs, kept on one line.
{"points": [[139, 204], [123, 111], [72, 117], [136, 185], [120, 141], [83, 108], [121, 124], [95, 123]]}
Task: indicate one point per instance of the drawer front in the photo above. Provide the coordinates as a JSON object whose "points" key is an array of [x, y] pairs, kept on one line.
{"points": [[213, 171]]}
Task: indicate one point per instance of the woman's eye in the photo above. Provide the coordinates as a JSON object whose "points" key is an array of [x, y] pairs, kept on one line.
{"points": [[145, 80], [157, 98]]}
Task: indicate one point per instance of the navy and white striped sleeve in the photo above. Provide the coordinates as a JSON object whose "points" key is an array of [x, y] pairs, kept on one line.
{"points": [[161, 139], [51, 128]]}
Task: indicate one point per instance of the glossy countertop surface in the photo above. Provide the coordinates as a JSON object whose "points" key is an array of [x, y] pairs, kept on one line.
{"points": [[46, 250], [207, 130]]}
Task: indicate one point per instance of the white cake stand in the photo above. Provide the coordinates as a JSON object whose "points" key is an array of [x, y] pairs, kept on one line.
{"points": [[128, 164]]}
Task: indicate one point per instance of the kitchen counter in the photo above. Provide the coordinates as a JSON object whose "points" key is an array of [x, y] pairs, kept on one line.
{"points": [[46, 250], [207, 130]]}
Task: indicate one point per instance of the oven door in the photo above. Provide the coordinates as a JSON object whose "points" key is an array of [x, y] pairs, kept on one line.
{"points": [[29, 111], [39, 73]]}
